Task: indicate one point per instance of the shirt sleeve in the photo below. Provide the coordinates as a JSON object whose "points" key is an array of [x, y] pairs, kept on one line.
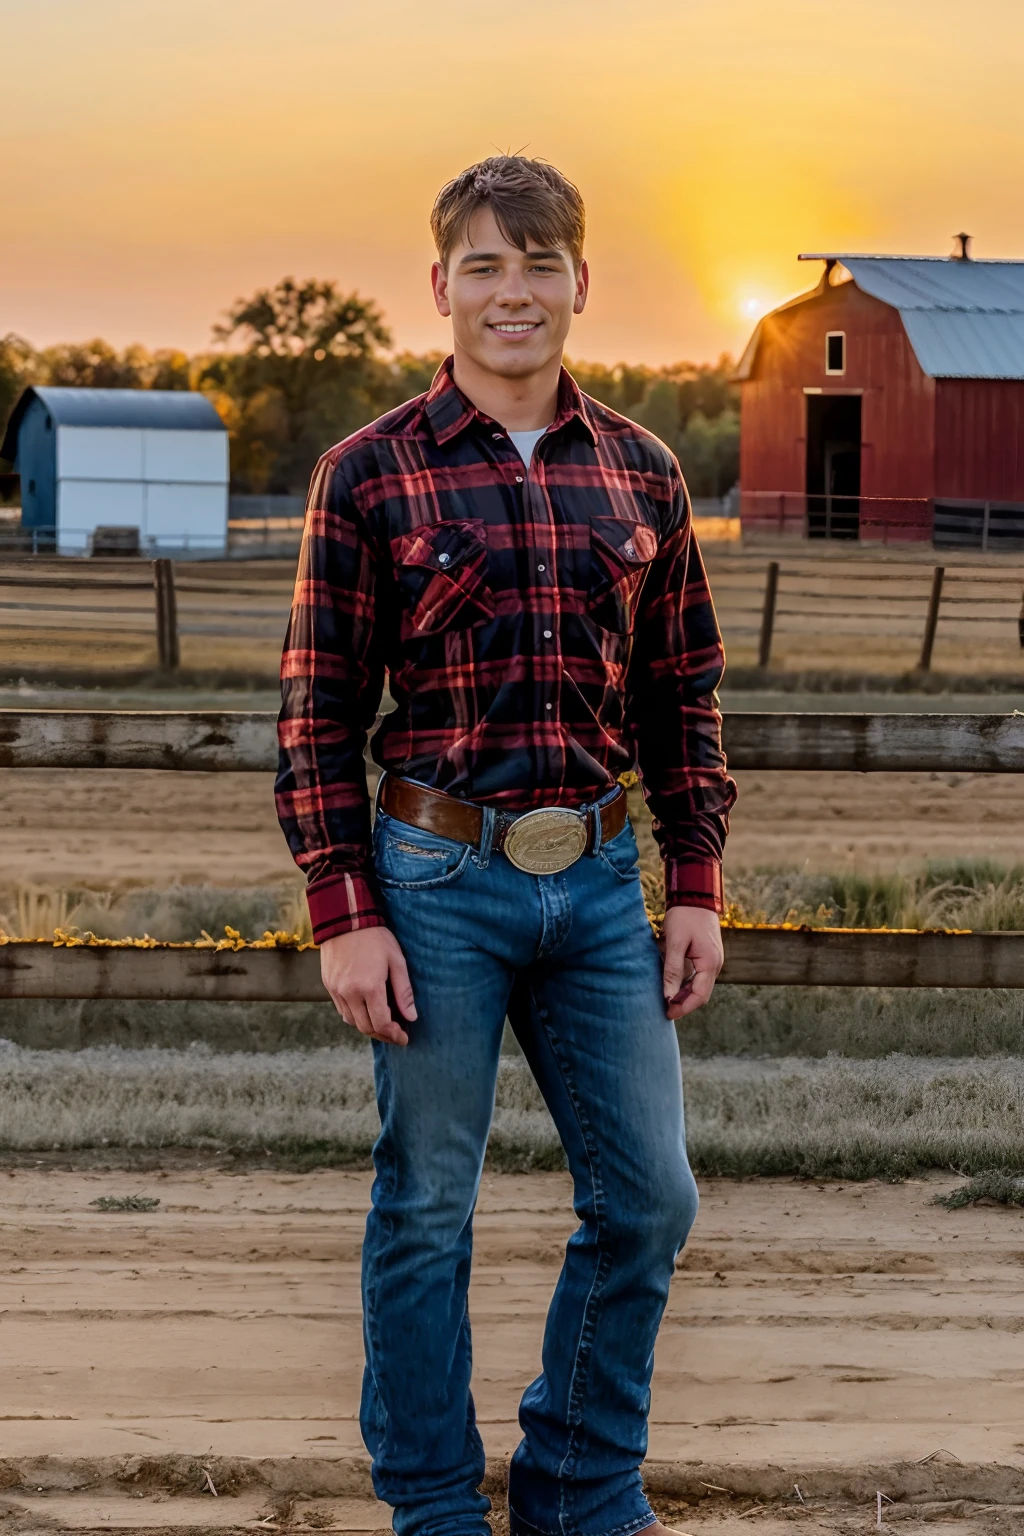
{"points": [[332, 680], [672, 711]]}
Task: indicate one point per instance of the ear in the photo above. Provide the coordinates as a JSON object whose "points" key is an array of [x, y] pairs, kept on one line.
{"points": [[582, 289], [439, 283]]}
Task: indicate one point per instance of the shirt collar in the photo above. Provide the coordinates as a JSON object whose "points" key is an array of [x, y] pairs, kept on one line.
{"points": [[449, 412]]}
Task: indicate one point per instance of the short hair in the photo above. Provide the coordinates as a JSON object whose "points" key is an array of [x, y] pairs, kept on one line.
{"points": [[529, 199]]}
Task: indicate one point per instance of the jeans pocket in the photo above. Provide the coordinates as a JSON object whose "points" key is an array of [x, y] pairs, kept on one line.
{"points": [[407, 858], [622, 855]]}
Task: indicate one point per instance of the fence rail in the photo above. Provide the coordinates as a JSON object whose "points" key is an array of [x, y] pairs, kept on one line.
{"points": [[237, 741], [245, 742], [753, 956]]}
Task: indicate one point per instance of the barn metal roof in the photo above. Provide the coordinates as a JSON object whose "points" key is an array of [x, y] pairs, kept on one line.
{"points": [[170, 409], [964, 319]]}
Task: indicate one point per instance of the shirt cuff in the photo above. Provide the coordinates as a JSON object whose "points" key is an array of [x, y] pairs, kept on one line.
{"points": [[694, 883], [342, 903]]}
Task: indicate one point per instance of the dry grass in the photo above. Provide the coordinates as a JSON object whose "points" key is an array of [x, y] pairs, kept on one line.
{"points": [[828, 1118]]}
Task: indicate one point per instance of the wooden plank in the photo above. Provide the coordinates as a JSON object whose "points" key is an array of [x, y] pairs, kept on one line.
{"points": [[876, 743], [208, 742], [248, 975], [761, 957], [794, 958], [244, 742]]}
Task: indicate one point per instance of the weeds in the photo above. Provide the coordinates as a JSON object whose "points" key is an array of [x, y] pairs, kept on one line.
{"points": [[125, 1203], [829, 1118], [994, 1184]]}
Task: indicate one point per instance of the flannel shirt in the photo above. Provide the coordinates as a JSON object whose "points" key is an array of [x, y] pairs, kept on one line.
{"points": [[543, 630]]}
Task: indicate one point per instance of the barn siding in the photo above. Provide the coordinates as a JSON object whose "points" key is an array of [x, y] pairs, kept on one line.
{"points": [[979, 426], [898, 404]]}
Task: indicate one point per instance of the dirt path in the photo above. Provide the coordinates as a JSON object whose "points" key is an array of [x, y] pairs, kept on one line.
{"points": [[839, 1338], [113, 828]]}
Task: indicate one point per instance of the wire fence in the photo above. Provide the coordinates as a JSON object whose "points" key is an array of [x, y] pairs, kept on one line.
{"points": [[850, 612], [847, 612]]}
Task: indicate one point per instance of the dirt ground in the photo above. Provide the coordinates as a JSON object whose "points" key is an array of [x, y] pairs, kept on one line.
{"points": [[106, 829], [836, 1339]]}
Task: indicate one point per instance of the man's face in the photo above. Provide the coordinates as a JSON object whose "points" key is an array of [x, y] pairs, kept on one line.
{"points": [[510, 309]]}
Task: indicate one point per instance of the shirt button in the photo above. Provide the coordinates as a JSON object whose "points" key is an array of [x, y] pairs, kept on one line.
{"points": [[542, 567], [443, 559], [547, 706], [497, 436], [519, 479]]}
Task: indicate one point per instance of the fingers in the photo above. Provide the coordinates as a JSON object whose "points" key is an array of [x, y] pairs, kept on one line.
{"points": [[700, 989], [382, 1025], [401, 986]]}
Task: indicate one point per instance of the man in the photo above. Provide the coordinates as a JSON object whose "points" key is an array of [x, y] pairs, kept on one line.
{"points": [[519, 559]]}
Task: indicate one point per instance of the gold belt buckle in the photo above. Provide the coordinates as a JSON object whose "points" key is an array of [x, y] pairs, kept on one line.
{"points": [[546, 841]]}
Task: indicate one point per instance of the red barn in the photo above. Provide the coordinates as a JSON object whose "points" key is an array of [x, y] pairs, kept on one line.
{"points": [[888, 404]]}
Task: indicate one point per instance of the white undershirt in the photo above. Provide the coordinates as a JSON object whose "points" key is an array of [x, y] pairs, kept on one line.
{"points": [[526, 442]]}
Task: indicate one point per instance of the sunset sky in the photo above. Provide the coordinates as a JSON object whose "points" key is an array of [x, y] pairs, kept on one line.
{"points": [[160, 159]]}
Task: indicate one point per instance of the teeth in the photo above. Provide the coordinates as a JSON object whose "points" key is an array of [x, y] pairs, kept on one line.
{"points": [[529, 325]]}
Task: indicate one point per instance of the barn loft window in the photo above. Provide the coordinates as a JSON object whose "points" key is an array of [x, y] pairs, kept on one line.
{"points": [[835, 351]]}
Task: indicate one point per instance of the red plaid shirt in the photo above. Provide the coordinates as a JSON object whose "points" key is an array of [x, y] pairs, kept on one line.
{"points": [[543, 631]]}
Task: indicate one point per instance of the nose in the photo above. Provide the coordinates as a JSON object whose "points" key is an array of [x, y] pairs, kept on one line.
{"points": [[513, 291]]}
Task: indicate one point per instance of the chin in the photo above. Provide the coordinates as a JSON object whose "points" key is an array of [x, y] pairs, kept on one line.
{"points": [[514, 365]]}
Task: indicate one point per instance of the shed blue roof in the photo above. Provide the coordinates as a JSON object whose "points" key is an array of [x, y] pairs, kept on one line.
{"points": [[170, 409]]}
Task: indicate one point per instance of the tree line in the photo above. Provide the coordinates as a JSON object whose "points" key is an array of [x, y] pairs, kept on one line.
{"points": [[299, 366]]}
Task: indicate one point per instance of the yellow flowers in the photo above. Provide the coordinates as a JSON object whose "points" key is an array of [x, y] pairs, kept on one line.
{"points": [[70, 938]]}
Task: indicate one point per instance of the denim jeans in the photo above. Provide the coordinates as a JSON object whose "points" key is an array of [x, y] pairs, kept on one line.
{"points": [[571, 960]]}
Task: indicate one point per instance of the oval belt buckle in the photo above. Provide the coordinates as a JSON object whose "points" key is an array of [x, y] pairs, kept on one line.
{"points": [[546, 841]]}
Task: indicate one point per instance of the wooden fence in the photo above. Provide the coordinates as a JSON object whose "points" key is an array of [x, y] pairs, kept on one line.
{"points": [[245, 742]]}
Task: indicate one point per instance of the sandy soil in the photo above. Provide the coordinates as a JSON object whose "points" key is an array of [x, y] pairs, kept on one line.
{"points": [[104, 829], [836, 1338]]}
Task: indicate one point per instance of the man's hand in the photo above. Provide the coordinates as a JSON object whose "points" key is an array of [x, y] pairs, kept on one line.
{"points": [[356, 968], [691, 934]]}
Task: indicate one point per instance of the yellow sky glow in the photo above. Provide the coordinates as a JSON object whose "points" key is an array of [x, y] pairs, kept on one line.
{"points": [[161, 160]]}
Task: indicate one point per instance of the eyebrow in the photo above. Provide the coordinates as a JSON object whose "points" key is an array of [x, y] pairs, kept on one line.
{"points": [[551, 255]]}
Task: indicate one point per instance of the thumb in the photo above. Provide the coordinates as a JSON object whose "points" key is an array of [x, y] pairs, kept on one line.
{"points": [[401, 986]]}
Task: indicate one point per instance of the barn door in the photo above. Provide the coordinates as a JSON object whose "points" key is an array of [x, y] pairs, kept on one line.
{"points": [[833, 466]]}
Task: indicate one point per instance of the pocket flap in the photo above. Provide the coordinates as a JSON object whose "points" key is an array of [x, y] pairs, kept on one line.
{"points": [[441, 547]]}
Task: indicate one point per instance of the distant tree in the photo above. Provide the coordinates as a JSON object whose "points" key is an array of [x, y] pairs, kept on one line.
{"points": [[709, 452], [309, 373], [19, 366], [92, 365]]}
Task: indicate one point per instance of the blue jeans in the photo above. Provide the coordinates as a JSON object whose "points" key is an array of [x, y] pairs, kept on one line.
{"points": [[571, 960]]}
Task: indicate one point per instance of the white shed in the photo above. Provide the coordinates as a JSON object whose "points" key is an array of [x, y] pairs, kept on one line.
{"points": [[146, 459]]}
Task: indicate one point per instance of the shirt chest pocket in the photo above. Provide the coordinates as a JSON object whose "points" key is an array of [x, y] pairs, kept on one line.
{"points": [[620, 556], [441, 571]]}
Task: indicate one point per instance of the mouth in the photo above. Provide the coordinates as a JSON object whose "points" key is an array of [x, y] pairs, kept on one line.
{"points": [[515, 327]]}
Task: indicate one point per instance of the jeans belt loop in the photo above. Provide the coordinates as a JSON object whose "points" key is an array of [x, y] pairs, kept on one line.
{"points": [[377, 795], [483, 854], [595, 812]]}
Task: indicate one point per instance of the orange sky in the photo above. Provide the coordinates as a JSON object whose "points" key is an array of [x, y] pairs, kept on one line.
{"points": [[161, 159]]}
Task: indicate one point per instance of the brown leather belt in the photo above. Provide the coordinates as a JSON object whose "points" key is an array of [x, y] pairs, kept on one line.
{"points": [[540, 842]]}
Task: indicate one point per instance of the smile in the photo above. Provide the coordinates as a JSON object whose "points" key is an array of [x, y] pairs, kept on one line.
{"points": [[515, 327]]}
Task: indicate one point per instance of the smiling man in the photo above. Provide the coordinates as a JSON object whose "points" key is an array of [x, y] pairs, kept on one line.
{"points": [[520, 560]]}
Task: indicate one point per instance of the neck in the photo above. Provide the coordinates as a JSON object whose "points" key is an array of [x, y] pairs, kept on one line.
{"points": [[520, 405]]}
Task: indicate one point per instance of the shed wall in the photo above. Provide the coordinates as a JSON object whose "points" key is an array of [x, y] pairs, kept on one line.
{"points": [[979, 437], [898, 405]]}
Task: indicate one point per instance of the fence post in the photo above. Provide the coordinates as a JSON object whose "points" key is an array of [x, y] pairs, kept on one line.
{"points": [[166, 615], [931, 622], [771, 587]]}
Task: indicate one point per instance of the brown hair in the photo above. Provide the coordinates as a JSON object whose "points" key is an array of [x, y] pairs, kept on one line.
{"points": [[529, 200]]}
